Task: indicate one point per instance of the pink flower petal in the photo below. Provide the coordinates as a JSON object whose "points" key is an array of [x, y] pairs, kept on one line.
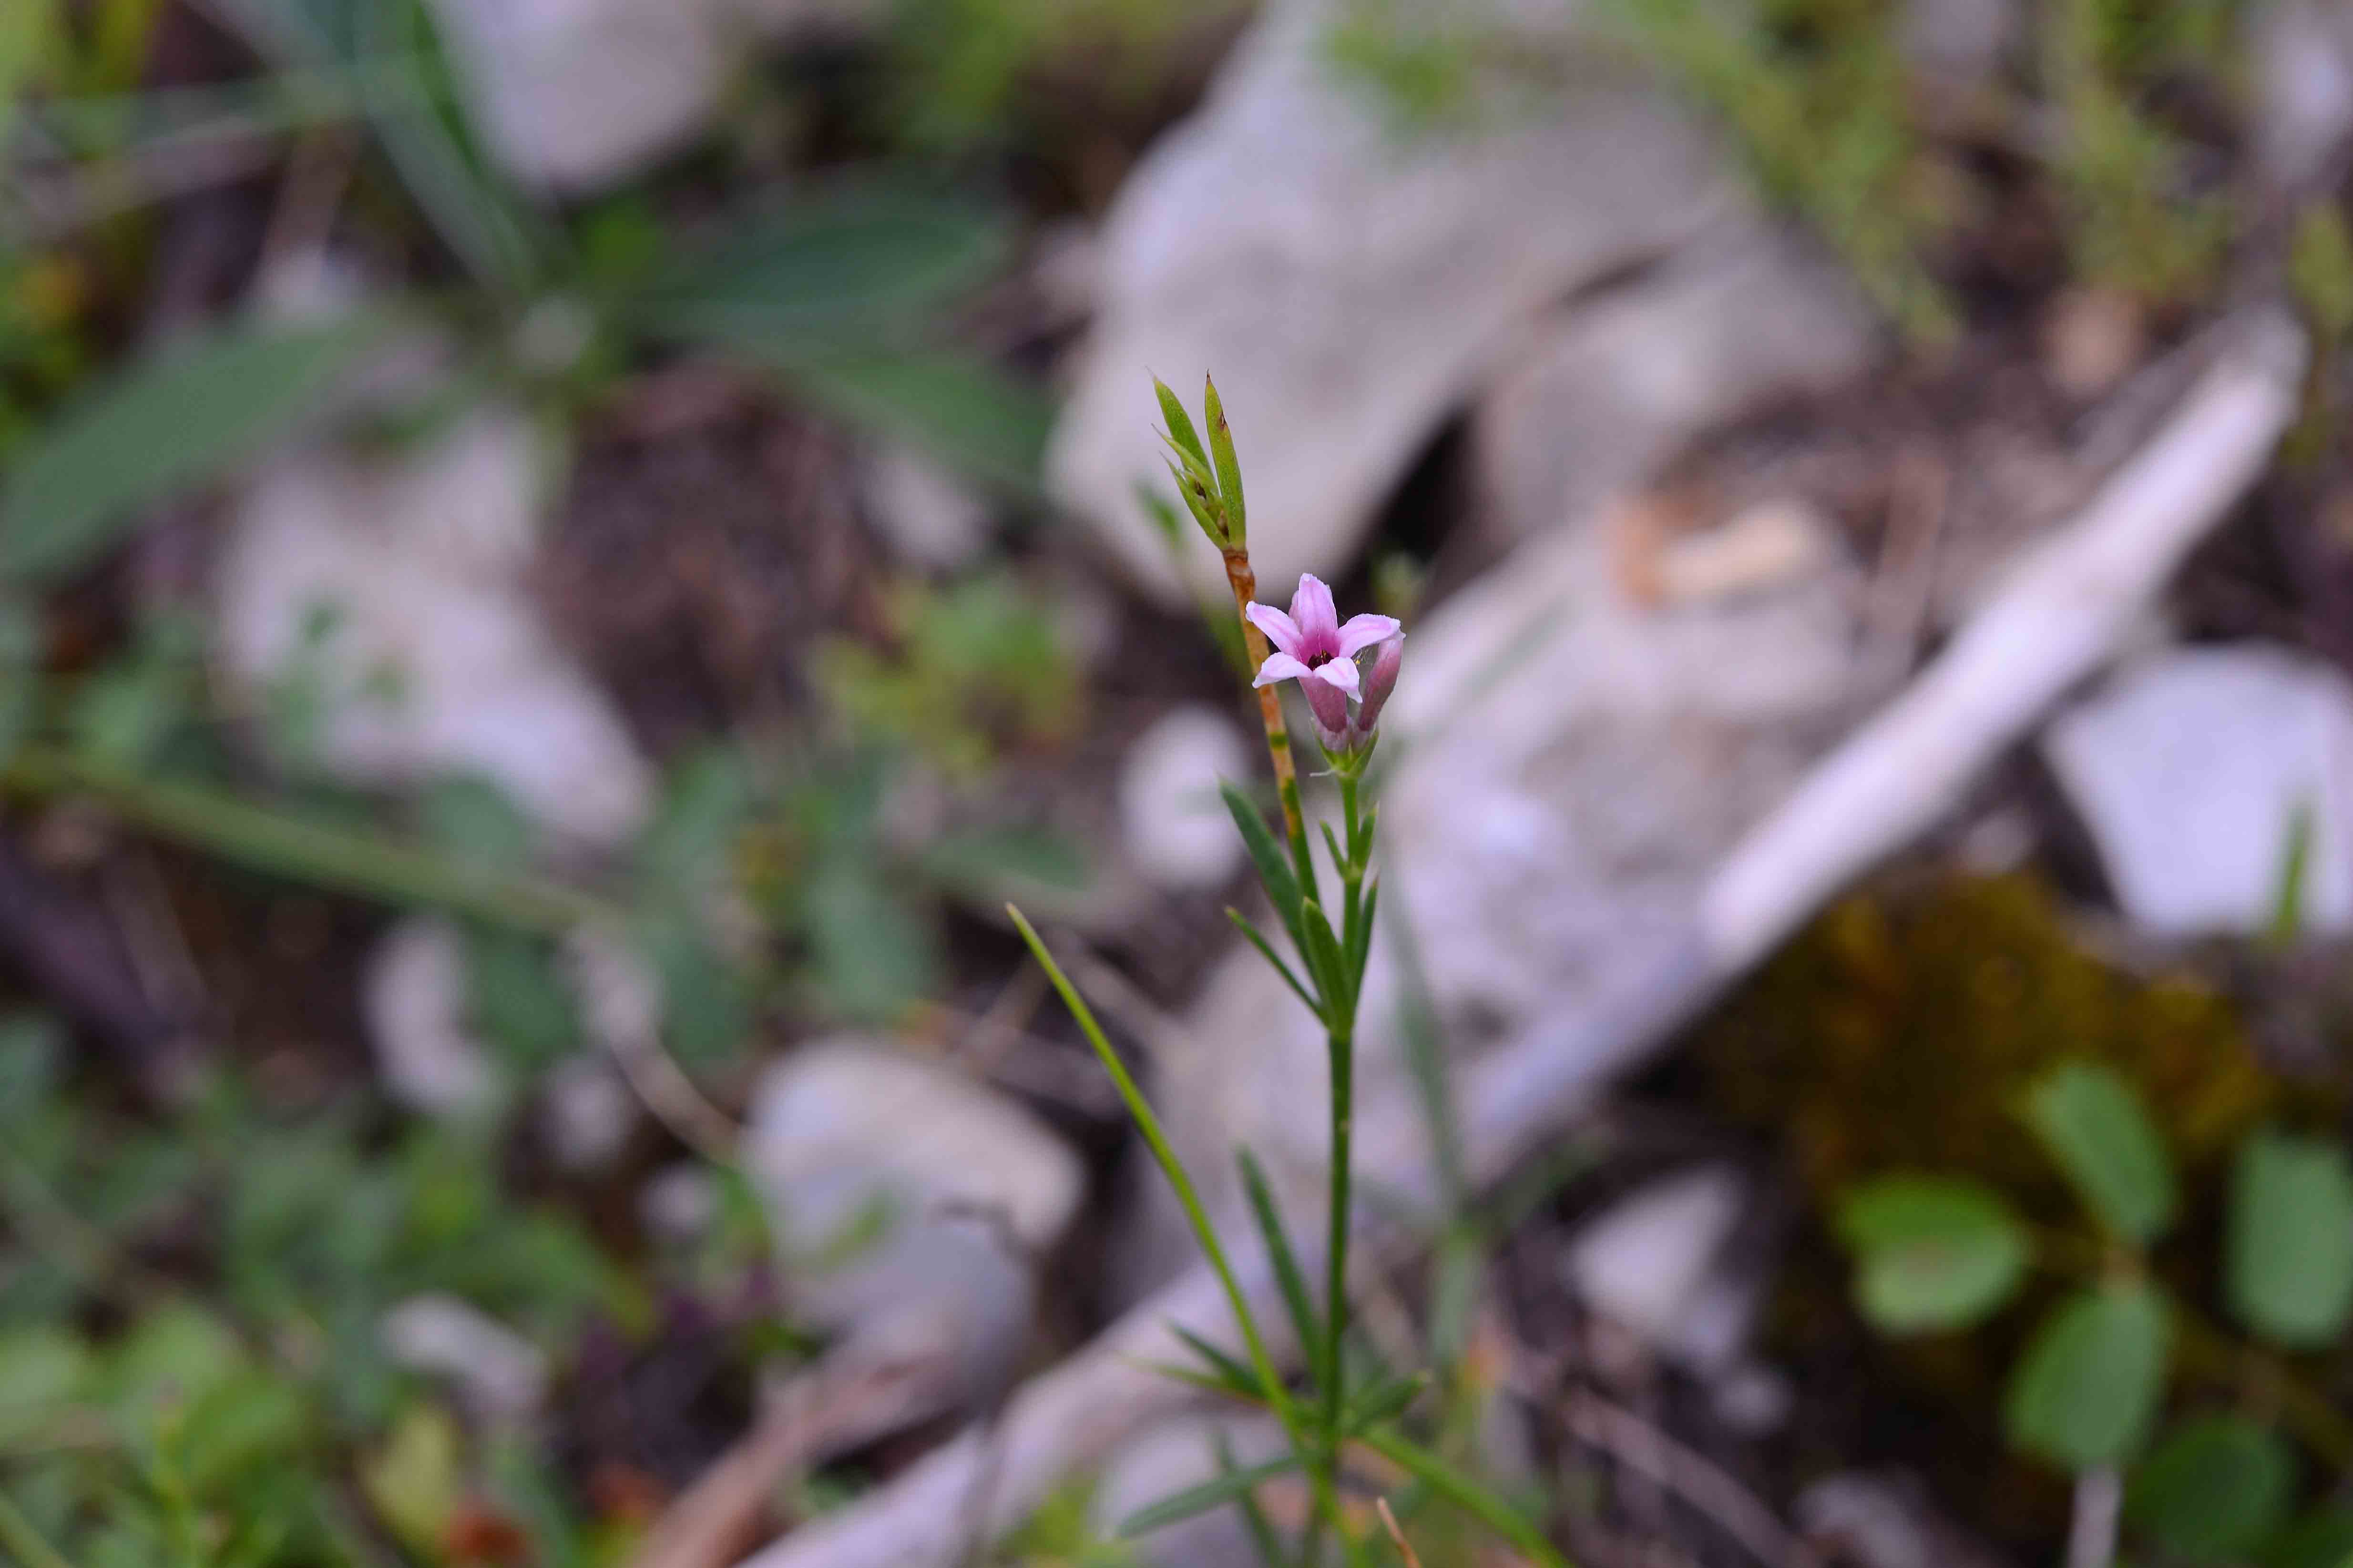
{"points": [[1318, 618], [1280, 666], [1280, 629], [1330, 705], [1363, 631], [1379, 681], [1340, 674]]}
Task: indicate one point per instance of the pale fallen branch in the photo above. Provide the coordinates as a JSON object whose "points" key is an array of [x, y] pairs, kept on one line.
{"points": [[2065, 610]]}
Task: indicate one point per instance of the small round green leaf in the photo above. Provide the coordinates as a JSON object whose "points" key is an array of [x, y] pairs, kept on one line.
{"points": [[2100, 1133], [2217, 1487], [1931, 1253], [2086, 1388], [2290, 1249]]}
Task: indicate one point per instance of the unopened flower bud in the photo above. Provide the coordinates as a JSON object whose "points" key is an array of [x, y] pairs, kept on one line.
{"points": [[1389, 657]]}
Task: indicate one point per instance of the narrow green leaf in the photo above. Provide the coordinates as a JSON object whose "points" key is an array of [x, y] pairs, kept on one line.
{"points": [[1464, 1493], [1268, 953], [2217, 1487], [1203, 515], [2289, 1250], [1200, 493], [1214, 1493], [1262, 1529], [1278, 1399], [1304, 1320], [961, 411], [180, 417], [1193, 1377], [1931, 1253], [1385, 1400], [2090, 1380], [1230, 468], [418, 124], [1324, 964], [1224, 1365], [844, 270], [1361, 952], [1180, 433], [1275, 872], [2096, 1127]]}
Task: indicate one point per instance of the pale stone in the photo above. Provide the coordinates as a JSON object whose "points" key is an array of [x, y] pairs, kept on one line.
{"points": [[397, 587], [2190, 770], [414, 998], [502, 1375], [1602, 394], [908, 1200], [1349, 286], [927, 517], [1175, 827], [1760, 548], [1648, 1262]]}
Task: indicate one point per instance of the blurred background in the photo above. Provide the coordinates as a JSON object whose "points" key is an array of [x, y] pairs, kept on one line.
{"points": [[560, 561]]}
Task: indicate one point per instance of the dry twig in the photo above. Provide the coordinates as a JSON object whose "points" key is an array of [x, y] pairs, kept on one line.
{"points": [[853, 1395], [1689, 1474]]}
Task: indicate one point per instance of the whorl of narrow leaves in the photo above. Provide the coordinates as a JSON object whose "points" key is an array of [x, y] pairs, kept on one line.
{"points": [[1209, 477]]}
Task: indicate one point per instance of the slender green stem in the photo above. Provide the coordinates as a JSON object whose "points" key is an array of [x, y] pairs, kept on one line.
{"points": [[1278, 1399], [24, 1543], [1287, 788], [1340, 1035], [349, 860], [1352, 873]]}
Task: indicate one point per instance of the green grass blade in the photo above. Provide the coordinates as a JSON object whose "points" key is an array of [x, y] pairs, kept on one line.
{"points": [[1464, 1493], [1293, 1284], [1385, 1400], [1254, 1520], [1148, 1124], [1225, 1365], [1248, 1392], [1212, 1493]]}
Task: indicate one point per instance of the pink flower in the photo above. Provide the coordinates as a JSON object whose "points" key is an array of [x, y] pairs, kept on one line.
{"points": [[1314, 649]]}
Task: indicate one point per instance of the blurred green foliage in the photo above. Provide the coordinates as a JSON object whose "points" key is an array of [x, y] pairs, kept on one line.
{"points": [[968, 74], [1942, 1252], [1837, 125], [2138, 220], [980, 669], [1896, 1029], [191, 1370], [1817, 94]]}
